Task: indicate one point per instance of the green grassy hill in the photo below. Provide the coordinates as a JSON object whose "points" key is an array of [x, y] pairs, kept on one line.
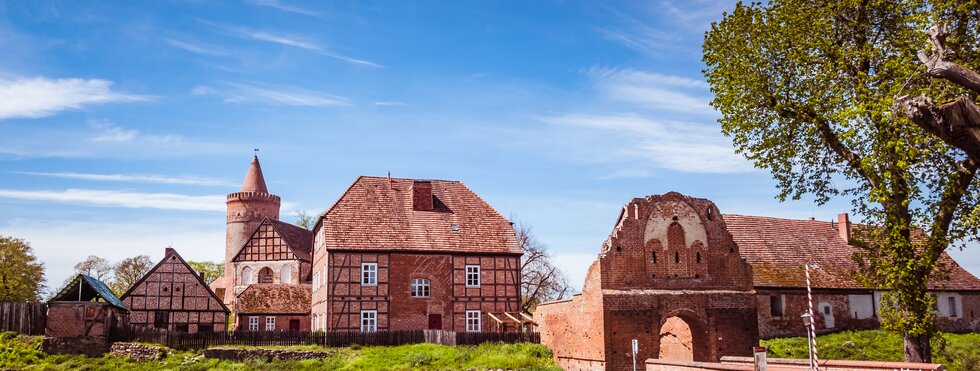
{"points": [[962, 351], [22, 352]]}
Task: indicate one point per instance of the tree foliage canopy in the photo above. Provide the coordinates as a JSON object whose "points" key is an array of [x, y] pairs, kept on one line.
{"points": [[211, 270], [21, 274], [807, 90], [127, 271]]}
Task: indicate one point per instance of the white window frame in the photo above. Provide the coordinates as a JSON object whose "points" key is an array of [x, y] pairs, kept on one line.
{"points": [[285, 274], [420, 288], [253, 323], [270, 323], [369, 321], [473, 321], [473, 281], [951, 302], [369, 274]]}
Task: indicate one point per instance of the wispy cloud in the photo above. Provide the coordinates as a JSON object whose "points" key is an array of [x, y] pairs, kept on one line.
{"points": [[653, 90], [285, 7], [133, 178], [106, 131], [391, 104], [643, 143], [295, 41], [196, 48], [275, 95], [126, 199], [41, 96]]}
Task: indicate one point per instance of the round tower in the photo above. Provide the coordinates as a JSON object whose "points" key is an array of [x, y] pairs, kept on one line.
{"points": [[246, 210]]}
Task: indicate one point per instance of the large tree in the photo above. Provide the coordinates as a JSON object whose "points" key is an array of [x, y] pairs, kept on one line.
{"points": [[21, 274], [807, 90], [541, 279], [128, 271]]}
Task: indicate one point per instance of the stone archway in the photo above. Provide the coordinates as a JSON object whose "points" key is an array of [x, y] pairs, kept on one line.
{"points": [[683, 337]]}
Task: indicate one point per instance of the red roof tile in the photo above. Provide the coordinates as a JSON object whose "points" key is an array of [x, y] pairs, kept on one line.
{"points": [[778, 248], [274, 298], [376, 214], [254, 181], [299, 239]]}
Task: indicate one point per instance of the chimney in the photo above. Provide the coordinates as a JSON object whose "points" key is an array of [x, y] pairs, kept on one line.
{"points": [[843, 227], [422, 195], [169, 251]]}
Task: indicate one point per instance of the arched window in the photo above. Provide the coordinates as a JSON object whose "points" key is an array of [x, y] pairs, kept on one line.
{"points": [[265, 275], [247, 276], [286, 275]]}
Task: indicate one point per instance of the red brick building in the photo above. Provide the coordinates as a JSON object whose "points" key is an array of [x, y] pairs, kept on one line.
{"points": [[669, 276], [173, 296], [266, 260], [778, 248], [402, 254]]}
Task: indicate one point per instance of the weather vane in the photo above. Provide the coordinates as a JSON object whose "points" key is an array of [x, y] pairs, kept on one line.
{"points": [[256, 152]]}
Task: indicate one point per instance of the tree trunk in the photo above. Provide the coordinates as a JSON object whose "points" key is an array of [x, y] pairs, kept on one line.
{"points": [[918, 349]]}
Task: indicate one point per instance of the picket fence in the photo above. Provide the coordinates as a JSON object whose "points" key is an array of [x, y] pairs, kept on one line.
{"points": [[25, 318], [203, 340]]}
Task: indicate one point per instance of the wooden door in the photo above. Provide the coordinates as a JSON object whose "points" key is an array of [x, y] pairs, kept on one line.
{"points": [[435, 322], [294, 325]]}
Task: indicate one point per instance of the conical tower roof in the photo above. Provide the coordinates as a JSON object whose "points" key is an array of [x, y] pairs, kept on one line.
{"points": [[254, 181]]}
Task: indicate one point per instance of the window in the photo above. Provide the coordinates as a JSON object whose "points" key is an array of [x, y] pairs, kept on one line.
{"points": [[826, 310], [316, 281], [420, 288], [270, 323], [286, 275], [654, 256], [776, 305], [454, 227], [369, 274], [677, 257], [472, 321], [698, 258], [369, 320], [253, 323], [472, 276], [247, 276], [205, 328], [952, 307]]}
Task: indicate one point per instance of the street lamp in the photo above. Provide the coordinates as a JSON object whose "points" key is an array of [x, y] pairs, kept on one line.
{"points": [[807, 321]]}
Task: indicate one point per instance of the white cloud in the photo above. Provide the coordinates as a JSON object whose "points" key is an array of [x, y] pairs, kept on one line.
{"points": [[285, 96], [653, 90], [196, 48], [126, 199], [109, 132], [633, 140], [295, 42], [391, 104], [41, 97], [135, 178], [285, 7]]}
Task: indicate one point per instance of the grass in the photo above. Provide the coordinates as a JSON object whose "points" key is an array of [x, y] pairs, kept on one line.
{"points": [[21, 352], [962, 351]]}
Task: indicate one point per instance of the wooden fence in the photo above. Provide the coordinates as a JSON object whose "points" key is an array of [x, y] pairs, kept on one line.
{"points": [[25, 318], [203, 340]]}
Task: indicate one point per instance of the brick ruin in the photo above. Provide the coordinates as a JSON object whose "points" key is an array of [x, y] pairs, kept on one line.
{"points": [[669, 276]]}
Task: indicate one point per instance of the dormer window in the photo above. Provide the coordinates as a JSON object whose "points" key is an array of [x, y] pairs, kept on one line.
{"points": [[454, 227]]}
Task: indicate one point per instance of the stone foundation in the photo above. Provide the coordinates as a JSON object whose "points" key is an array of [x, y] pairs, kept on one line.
{"points": [[232, 354], [92, 346], [137, 352]]}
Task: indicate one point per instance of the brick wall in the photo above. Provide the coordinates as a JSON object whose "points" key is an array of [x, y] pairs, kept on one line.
{"points": [[344, 297]]}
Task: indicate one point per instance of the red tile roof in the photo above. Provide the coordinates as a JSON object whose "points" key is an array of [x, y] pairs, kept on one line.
{"points": [[375, 214], [254, 181], [274, 298], [299, 239], [778, 248]]}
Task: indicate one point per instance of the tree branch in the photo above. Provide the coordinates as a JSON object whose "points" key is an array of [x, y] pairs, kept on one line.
{"points": [[957, 186], [939, 63], [957, 123]]}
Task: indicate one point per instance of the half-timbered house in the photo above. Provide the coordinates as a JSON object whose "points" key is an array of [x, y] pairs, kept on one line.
{"points": [[173, 296], [401, 254]]}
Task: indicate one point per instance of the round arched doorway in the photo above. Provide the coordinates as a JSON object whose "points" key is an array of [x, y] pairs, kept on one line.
{"points": [[265, 275], [676, 340]]}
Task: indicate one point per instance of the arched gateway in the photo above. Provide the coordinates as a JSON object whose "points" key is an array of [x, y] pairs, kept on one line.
{"points": [[669, 276]]}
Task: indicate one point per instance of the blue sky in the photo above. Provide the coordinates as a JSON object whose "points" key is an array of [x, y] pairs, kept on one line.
{"points": [[126, 123]]}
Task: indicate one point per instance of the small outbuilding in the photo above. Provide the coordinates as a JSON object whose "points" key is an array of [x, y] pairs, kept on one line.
{"points": [[81, 316]]}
